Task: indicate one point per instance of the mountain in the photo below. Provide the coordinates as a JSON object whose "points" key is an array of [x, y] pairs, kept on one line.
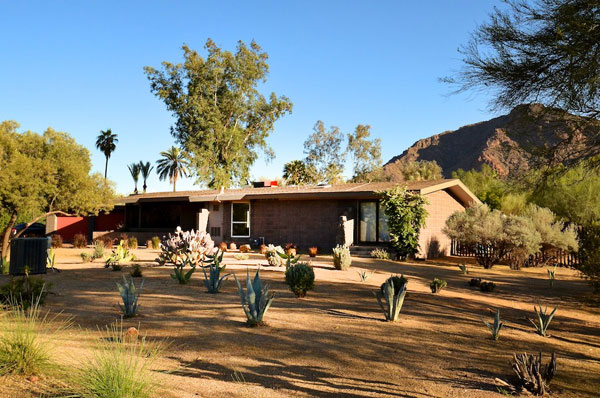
{"points": [[505, 142]]}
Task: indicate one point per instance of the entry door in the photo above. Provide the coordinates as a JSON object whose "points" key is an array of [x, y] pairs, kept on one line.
{"points": [[372, 223]]}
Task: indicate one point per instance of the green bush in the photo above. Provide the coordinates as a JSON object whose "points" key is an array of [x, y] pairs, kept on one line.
{"points": [[24, 291], [155, 242], [86, 257], [381, 254], [475, 282], [590, 255], [119, 255], [132, 243], [300, 278], [487, 287], [341, 257], [437, 284], [79, 241], [98, 249], [136, 272]]}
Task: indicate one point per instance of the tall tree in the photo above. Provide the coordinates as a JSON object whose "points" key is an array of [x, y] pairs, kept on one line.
{"points": [[420, 170], [44, 175], [134, 170], [145, 169], [174, 164], [324, 153], [366, 154], [222, 120], [106, 143], [542, 51], [297, 172]]}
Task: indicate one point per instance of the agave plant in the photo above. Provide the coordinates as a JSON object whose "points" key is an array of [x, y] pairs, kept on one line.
{"points": [[552, 276], [256, 300], [213, 280], [130, 296], [463, 268], [180, 274], [543, 319], [496, 326], [393, 295], [364, 275]]}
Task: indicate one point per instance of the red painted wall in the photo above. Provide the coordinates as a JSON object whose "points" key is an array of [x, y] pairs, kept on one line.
{"points": [[67, 227]]}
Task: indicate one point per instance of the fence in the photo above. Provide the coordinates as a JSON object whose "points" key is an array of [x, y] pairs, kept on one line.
{"points": [[563, 258]]}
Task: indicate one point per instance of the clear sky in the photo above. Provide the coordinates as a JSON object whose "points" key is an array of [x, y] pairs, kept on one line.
{"points": [[77, 66]]}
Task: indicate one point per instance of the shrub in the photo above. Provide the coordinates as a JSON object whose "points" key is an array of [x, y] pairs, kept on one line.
{"points": [[185, 247], [496, 326], [392, 296], [79, 241], [155, 242], [125, 238], [381, 254], [136, 271], [312, 251], [487, 287], [437, 284], [256, 300], [86, 257], [272, 255], [129, 296], [341, 257], [300, 278], [132, 243], [56, 241], [543, 319], [406, 215], [531, 374], [107, 241], [463, 268], [119, 368], [590, 255], [119, 255], [213, 280], [98, 249], [241, 256], [24, 291], [475, 282]]}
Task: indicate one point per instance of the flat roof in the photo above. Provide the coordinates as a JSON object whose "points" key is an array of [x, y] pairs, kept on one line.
{"points": [[339, 191]]}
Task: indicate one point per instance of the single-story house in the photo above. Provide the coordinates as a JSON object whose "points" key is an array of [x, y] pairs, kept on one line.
{"points": [[320, 216]]}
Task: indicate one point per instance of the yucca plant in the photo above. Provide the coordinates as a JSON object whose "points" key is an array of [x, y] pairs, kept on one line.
{"points": [[213, 280], [130, 296], [393, 294], [552, 276], [463, 268], [364, 275], [496, 326], [543, 319], [118, 367], [256, 300]]}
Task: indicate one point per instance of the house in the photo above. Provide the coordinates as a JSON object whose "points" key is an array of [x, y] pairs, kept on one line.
{"points": [[307, 216]]}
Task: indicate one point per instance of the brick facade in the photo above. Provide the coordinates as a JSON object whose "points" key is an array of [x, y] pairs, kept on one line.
{"points": [[433, 241]]}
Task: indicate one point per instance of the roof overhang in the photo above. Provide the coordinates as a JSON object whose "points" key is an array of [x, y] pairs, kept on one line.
{"points": [[457, 189]]}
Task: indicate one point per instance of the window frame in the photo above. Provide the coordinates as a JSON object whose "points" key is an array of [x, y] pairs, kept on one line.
{"points": [[247, 222]]}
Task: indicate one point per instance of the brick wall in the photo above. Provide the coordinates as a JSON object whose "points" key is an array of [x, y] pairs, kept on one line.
{"points": [[433, 241]]}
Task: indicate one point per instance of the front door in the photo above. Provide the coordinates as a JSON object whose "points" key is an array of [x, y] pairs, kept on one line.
{"points": [[372, 226]]}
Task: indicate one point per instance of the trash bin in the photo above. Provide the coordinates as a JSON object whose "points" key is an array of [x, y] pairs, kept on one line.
{"points": [[28, 252]]}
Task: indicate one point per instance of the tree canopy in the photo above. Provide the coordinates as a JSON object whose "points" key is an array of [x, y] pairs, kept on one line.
{"points": [[366, 155], [221, 118], [297, 172], [324, 153], [46, 174]]}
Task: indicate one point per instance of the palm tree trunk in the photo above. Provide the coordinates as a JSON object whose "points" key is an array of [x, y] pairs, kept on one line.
{"points": [[174, 182], [6, 236], [105, 167]]}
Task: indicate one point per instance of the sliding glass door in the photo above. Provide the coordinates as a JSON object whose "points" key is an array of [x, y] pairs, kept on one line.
{"points": [[372, 227]]}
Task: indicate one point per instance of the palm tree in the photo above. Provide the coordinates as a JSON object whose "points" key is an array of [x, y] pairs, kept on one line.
{"points": [[134, 169], [173, 165], [106, 142], [145, 169]]}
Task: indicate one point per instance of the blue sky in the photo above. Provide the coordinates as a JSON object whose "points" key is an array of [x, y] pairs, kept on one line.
{"points": [[77, 67]]}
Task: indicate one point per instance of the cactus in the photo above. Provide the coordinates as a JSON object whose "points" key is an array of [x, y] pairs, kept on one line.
{"points": [[437, 284], [463, 268], [130, 296], [273, 255], [185, 247], [256, 300], [552, 276], [543, 319], [532, 375], [341, 257], [496, 326], [213, 280], [119, 255], [393, 297]]}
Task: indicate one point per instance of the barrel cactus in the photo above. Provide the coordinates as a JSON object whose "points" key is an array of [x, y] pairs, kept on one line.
{"points": [[341, 257]]}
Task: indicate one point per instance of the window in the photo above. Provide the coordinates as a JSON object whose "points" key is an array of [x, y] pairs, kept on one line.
{"points": [[373, 223], [240, 220]]}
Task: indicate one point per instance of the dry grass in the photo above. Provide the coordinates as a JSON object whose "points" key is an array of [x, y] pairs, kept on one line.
{"points": [[334, 343]]}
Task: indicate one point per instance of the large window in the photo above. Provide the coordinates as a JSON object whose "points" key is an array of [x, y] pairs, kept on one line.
{"points": [[373, 223], [240, 220]]}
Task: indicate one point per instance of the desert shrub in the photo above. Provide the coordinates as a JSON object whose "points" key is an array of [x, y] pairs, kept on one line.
{"points": [[272, 254], [86, 257], [98, 249], [132, 243], [531, 374], [475, 282], [590, 255], [118, 256], [487, 287], [24, 291], [341, 257], [136, 271], [118, 368], [213, 280], [129, 295], [495, 327], [406, 215], [291, 249], [543, 319], [181, 275], [241, 256], [437, 284], [312, 251], [256, 300], [300, 277], [381, 254], [185, 247], [79, 241], [56, 241], [463, 268], [155, 242], [391, 297], [26, 342]]}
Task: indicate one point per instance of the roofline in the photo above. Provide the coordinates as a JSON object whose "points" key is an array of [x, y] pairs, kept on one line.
{"points": [[457, 187]]}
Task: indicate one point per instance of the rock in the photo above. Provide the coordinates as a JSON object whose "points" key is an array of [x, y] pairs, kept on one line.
{"points": [[131, 334]]}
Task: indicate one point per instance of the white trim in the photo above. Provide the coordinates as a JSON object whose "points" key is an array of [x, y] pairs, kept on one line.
{"points": [[240, 222]]}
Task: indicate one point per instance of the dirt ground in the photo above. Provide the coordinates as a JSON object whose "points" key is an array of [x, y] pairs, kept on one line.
{"points": [[334, 342]]}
